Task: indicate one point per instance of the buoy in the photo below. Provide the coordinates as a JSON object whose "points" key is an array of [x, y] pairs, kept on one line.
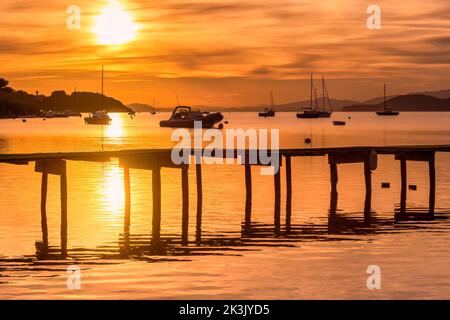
{"points": [[385, 185], [226, 122], [412, 187], [308, 140], [220, 125], [24, 120]]}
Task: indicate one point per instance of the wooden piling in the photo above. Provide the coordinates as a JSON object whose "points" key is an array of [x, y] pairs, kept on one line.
{"points": [[248, 195], [334, 181], [185, 208], [63, 180], [403, 174], [198, 231], [156, 190], [44, 226], [368, 183], [432, 173], [277, 206], [288, 194]]}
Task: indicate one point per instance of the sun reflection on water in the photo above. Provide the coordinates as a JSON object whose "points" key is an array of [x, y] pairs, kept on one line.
{"points": [[111, 193], [115, 130]]}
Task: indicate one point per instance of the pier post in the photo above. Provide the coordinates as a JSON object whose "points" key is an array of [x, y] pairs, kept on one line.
{"points": [[432, 173], [185, 208], [403, 186], [288, 194], [277, 206], [198, 231], [248, 195], [44, 226], [368, 182], [63, 210], [126, 180], [334, 181], [156, 190]]}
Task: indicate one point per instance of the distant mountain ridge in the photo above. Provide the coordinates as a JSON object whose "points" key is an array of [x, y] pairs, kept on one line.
{"points": [[410, 102], [293, 106]]}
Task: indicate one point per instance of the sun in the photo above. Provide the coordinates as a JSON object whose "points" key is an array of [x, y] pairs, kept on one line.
{"points": [[114, 26]]}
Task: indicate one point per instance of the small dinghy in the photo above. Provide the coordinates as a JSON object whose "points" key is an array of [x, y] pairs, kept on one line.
{"points": [[339, 123], [184, 117]]}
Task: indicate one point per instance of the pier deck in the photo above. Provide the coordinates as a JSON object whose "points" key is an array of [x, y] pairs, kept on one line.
{"points": [[156, 159]]}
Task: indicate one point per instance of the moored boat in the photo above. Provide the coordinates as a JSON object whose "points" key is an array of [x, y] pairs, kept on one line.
{"points": [[184, 117], [99, 117], [268, 112], [386, 111]]}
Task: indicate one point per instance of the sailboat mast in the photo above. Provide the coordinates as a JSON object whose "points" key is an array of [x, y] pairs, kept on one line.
{"points": [[311, 93], [323, 93], [385, 96], [272, 103]]}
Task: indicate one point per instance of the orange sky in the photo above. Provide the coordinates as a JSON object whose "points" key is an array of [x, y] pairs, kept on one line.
{"points": [[228, 52]]}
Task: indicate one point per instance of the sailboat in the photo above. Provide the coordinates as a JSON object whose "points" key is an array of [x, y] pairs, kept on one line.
{"points": [[100, 116], [386, 111], [268, 112], [311, 112], [153, 108]]}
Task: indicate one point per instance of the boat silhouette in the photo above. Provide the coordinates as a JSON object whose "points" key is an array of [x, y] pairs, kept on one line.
{"points": [[386, 111], [184, 117]]}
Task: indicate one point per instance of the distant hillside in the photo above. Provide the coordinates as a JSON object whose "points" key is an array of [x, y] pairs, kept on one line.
{"points": [[18, 102], [293, 106], [140, 107], [410, 102], [83, 102], [441, 94]]}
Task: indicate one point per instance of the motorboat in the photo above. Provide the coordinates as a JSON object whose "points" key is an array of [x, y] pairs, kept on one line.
{"points": [[99, 117], [184, 117]]}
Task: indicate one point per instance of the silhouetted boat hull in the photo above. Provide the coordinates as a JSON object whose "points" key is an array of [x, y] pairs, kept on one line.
{"points": [[309, 114], [184, 117], [325, 114], [268, 113], [339, 123], [99, 117], [388, 113]]}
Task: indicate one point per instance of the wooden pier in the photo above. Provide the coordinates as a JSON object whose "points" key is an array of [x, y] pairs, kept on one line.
{"points": [[156, 160]]}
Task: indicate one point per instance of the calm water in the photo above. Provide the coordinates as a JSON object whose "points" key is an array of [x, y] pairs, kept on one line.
{"points": [[323, 257]]}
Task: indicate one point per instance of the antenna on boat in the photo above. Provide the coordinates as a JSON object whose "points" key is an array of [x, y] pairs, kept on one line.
{"points": [[178, 101], [271, 99], [102, 78], [385, 96]]}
